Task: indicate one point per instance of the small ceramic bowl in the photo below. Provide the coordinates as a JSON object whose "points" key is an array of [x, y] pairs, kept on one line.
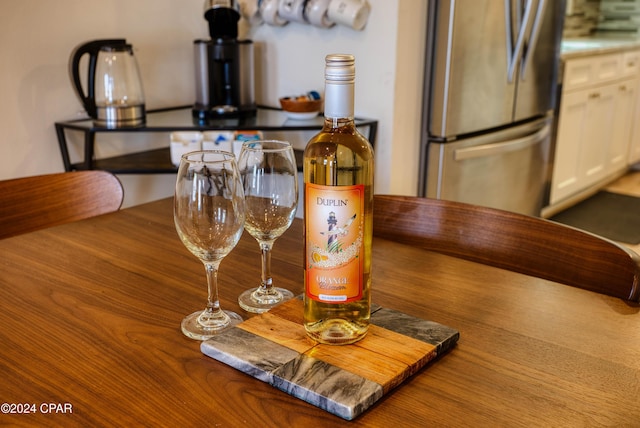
{"points": [[301, 107]]}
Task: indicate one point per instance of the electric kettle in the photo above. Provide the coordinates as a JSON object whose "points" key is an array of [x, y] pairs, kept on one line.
{"points": [[114, 97]]}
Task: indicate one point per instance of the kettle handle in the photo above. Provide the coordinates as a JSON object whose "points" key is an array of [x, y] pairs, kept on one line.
{"points": [[91, 48]]}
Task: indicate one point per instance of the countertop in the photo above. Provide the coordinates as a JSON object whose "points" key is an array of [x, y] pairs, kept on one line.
{"points": [[596, 45]]}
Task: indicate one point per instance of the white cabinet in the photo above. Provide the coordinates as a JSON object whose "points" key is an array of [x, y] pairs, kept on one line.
{"points": [[595, 121], [632, 65], [590, 71], [573, 114], [634, 147], [593, 155], [581, 147], [623, 125]]}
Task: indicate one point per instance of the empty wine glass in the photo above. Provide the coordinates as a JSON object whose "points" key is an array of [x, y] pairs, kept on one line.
{"points": [[270, 179], [208, 213]]}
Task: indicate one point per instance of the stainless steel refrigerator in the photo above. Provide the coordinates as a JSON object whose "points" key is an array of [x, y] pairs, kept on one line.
{"points": [[490, 86]]}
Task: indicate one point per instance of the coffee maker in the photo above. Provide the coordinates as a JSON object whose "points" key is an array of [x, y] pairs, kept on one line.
{"points": [[224, 67]]}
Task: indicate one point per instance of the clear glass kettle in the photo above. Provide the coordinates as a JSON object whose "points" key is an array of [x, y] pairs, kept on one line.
{"points": [[114, 96]]}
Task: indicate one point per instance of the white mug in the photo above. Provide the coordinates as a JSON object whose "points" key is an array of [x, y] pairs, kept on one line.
{"points": [[250, 10], [352, 13], [269, 13], [316, 13], [292, 10]]}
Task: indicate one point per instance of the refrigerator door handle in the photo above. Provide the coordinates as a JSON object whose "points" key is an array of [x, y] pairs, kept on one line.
{"points": [[512, 61], [502, 147], [533, 37], [509, 32]]}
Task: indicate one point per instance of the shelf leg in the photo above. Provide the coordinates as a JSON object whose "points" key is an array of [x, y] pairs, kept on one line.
{"points": [[89, 140], [64, 150]]}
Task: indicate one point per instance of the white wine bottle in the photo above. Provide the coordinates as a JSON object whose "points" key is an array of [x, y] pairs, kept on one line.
{"points": [[338, 209]]}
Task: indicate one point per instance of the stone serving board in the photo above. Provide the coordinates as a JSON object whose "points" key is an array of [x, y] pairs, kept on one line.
{"points": [[344, 380]]}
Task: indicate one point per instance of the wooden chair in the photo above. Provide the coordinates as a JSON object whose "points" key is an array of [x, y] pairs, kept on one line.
{"points": [[32, 203], [511, 241]]}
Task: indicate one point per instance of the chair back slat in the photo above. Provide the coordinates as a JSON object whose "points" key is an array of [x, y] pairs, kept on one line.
{"points": [[31, 203], [516, 242]]}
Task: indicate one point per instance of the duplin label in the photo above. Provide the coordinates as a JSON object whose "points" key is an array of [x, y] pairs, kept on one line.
{"points": [[334, 228]]}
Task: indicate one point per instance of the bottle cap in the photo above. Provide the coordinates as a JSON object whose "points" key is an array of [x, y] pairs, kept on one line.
{"points": [[340, 68]]}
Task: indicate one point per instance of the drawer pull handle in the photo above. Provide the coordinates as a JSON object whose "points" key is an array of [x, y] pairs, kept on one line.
{"points": [[594, 95]]}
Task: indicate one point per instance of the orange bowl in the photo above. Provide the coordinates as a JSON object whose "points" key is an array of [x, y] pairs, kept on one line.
{"points": [[300, 105]]}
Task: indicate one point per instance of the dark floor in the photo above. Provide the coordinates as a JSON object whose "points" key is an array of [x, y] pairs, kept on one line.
{"points": [[628, 185]]}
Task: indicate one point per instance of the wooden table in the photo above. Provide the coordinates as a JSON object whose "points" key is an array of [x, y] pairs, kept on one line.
{"points": [[90, 336]]}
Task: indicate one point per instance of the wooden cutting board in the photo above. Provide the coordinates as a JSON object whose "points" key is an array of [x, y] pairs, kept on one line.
{"points": [[344, 380]]}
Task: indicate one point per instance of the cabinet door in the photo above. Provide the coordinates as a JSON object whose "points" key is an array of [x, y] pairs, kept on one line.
{"points": [[599, 119], [634, 143], [623, 122], [571, 131], [583, 142]]}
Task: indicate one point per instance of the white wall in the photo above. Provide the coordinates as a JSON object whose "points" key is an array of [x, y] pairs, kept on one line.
{"points": [[36, 38]]}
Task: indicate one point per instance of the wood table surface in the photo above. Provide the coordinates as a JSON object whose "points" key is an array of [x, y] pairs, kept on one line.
{"points": [[90, 336]]}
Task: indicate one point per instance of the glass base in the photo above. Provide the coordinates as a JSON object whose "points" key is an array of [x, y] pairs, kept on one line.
{"points": [[258, 302], [203, 325]]}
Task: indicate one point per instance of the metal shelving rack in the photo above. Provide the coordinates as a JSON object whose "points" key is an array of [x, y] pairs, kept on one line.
{"points": [[158, 161]]}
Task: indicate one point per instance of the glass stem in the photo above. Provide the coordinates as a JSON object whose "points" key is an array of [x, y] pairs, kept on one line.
{"points": [[213, 303], [267, 282]]}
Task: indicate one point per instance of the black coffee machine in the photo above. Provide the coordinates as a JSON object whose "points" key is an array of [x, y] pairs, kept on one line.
{"points": [[224, 67]]}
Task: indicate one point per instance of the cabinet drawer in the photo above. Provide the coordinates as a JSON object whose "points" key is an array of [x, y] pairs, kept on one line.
{"points": [[631, 63], [582, 72]]}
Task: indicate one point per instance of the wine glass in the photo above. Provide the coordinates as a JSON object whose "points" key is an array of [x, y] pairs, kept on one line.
{"points": [[270, 179], [208, 213]]}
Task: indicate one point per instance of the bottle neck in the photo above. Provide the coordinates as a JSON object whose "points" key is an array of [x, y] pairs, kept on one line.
{"points": [[338, 101]]}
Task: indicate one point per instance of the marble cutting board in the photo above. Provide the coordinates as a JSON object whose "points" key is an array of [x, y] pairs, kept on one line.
{"points": [[344, 380]]}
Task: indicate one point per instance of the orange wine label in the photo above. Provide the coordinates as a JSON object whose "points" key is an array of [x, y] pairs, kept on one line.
{"points": [[334, 228]]}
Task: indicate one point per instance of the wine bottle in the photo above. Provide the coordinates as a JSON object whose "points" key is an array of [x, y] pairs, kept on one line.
{"points": [[338, 208]]}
